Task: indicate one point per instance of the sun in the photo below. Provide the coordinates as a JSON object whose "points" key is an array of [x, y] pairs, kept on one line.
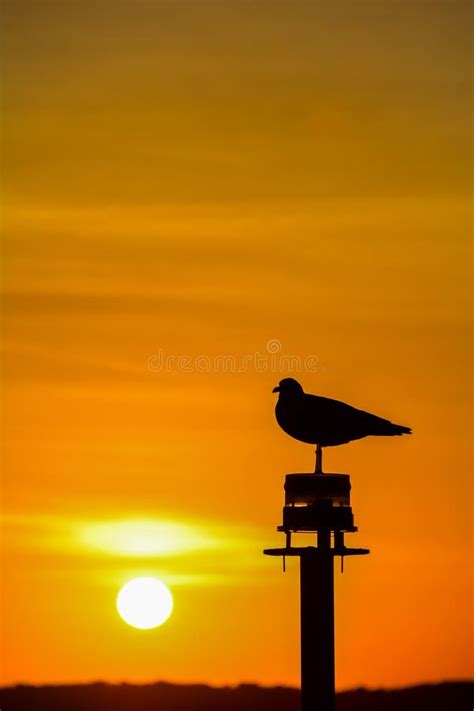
{"points": [[144, 603]]}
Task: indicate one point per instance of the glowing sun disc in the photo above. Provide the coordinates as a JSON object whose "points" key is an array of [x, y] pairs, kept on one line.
{"points": [[144, 603]]}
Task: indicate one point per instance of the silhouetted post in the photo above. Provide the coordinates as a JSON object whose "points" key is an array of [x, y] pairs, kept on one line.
{"points": [[317, 503], [317, 630]]}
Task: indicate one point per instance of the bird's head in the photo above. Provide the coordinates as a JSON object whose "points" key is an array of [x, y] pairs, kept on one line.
{"points": [[288, 386]]}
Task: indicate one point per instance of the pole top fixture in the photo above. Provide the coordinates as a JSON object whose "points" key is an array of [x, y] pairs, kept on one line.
{"points": [[317, 504]]}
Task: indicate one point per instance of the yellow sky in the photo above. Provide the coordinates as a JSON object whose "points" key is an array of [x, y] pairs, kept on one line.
{"points": [[194, 180]]}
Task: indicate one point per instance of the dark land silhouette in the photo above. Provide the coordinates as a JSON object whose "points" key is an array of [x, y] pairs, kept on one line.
{"points": [[448, 696], [325, 422]]}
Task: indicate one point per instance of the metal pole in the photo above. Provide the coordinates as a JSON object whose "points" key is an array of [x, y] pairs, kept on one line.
{"points": [[317, 627]]}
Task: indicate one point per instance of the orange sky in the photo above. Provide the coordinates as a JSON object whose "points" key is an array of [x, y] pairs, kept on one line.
{"points": [[198, 179]]}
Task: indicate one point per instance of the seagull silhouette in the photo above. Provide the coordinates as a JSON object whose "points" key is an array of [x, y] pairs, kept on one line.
{"points": [[325, 422]]}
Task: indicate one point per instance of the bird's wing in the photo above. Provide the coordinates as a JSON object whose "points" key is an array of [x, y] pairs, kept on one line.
{"points": [[337, 416], [333, 411]]}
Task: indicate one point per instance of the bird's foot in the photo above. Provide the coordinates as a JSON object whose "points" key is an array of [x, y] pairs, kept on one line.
{"points": [[319, 460]]}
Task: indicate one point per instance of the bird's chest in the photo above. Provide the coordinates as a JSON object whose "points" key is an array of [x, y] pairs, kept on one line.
{"points": [[293, 419]]}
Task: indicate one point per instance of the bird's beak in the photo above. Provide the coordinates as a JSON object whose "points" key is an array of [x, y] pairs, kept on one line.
{"points": [[276, 390]]}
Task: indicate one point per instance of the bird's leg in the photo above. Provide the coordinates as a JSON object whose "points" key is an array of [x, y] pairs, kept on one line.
{"points": [[319, 460]]}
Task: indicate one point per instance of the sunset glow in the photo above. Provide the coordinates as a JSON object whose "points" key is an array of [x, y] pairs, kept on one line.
{"points": [[201, 199]]}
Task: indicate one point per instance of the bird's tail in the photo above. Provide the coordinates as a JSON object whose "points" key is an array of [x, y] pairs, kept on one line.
{"points": [[399, 429]]}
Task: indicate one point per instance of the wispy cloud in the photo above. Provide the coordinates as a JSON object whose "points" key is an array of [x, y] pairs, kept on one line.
{"points": [[177, 546]]}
